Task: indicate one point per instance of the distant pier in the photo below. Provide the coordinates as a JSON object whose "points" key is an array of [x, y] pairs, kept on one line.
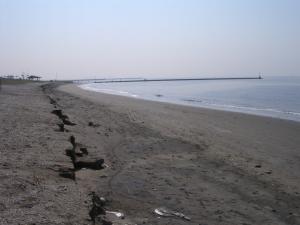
{"points": [[175, 79]]}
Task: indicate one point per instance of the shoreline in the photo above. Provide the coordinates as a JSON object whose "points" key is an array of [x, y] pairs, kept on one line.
{"points": [[270, 113], [215, 167], [187, 105]]}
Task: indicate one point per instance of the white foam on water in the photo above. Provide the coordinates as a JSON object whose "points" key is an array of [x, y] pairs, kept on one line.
{"points": [[108, 91], [246, 109]]}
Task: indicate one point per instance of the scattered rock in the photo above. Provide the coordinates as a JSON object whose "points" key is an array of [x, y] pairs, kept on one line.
{"points": [[97, 207], [91, 124], [72, 140], [95, 165], [84, 151], [64, 118], [52, 101], [59, 113], [72, 154], [68, 122], [61, 127]]}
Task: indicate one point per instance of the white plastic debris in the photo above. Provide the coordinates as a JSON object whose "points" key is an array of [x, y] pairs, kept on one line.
{"points": [[117, 214], [162, 211]]}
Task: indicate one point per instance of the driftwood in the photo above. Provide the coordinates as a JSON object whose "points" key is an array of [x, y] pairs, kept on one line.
{"points": [[94, 165]]}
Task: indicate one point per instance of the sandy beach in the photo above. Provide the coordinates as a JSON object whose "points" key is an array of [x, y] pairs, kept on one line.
{"points": [[202, 166]]}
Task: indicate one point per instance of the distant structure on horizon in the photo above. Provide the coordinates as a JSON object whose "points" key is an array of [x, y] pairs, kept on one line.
{"points": [[129, 80], [178, 79], [32, 77], [22, 77]]}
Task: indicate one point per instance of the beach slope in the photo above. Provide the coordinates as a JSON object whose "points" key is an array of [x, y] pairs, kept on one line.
{"points": [[204, 166]]}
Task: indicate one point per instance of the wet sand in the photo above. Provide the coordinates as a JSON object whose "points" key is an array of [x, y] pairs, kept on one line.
{"points": [[215, 167]]}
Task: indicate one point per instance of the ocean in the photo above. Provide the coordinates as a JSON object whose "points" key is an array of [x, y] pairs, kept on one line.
{"points": [[272, 96]]}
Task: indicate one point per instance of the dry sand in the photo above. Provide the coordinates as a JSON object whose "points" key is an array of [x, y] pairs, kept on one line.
{"points": [[215, 167]]}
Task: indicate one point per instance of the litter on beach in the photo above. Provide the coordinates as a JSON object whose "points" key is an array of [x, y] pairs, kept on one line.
{"points": [[117, 214], [162, 211]]}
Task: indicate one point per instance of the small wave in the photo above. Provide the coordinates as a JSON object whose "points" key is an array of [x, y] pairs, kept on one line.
{"points": [[108, 91], [242, 108], [192, 100]]}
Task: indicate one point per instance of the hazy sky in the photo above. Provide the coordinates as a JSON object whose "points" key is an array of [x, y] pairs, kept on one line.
{"points": [[146, 38]]}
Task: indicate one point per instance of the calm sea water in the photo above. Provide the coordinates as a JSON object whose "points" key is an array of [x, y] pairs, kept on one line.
{"points": [[272, 96]]}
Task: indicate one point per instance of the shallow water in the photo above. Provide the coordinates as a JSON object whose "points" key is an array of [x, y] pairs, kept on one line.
{"points": [[272, 96]]}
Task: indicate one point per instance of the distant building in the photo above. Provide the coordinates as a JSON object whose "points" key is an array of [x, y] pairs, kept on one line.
{"points": [[32, 77]]}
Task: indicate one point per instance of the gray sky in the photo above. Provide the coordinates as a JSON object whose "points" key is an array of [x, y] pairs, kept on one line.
{"points": [[149, 38]]}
